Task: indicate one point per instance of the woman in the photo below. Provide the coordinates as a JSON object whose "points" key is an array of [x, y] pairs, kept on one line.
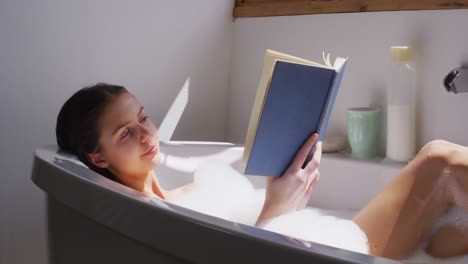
{"points": [[108, 130]]}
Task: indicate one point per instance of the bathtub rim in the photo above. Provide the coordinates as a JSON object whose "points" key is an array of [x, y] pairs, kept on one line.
{"points": [[51, 184]]}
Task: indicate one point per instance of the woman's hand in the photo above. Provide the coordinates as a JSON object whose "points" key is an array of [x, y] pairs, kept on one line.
{"points": [[292, 191]]}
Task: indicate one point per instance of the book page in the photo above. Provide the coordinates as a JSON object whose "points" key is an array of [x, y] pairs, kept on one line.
{"points": [[286, 57], [264, 83], [339, 62]]}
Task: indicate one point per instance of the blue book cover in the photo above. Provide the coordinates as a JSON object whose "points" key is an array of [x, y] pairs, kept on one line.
{"points": [[298, 102]]}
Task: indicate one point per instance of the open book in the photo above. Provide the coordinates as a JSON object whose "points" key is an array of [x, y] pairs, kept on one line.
{"points": [[294, 99]]}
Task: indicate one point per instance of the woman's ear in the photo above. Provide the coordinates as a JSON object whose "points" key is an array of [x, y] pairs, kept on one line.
{"points": [[97, 160]]}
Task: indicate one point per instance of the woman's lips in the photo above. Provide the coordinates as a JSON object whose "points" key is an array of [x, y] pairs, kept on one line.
{"points": [[151, 151]]}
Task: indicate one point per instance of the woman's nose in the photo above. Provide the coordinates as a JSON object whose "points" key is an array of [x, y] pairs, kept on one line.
{"points": [[145, 135]]}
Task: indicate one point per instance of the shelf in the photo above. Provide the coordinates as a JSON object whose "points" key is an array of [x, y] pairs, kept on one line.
{"points": [[378, 160]]}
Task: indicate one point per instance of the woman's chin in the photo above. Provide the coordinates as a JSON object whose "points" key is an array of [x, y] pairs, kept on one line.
{"points": [[156, 161]]}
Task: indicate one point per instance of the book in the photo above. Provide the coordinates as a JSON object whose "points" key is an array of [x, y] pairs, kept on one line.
{"points": [[294, 99]]}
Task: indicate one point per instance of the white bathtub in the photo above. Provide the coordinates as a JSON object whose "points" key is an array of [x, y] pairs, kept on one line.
{"points": [[94, 220]]}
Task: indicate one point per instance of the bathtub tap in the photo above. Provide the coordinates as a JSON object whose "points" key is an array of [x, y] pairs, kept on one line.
{"points": [[456, 80]]}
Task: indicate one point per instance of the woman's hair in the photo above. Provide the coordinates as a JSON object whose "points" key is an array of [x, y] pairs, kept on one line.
{"points": [[77, 129]]}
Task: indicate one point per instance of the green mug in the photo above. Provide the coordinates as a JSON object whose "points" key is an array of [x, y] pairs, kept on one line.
{"points": [[363, 130]]}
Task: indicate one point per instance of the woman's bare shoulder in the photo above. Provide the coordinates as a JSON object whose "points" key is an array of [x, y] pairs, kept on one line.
{"points": [[177, 192]]}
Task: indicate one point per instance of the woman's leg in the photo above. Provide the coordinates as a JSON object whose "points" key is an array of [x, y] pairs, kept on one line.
{"points": [[404, 212], [448, 241]]}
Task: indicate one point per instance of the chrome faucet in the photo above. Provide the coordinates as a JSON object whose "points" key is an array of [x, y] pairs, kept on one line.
{"points": [[456, 80]]}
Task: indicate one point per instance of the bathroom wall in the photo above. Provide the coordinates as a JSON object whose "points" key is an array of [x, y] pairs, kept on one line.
{"points": [[49, 49], [436, 36]]}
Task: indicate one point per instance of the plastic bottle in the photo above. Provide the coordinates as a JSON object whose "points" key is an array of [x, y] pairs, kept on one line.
{"points": [[401, 105]]}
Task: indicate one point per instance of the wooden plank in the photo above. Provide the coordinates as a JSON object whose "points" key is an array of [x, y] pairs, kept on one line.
{"points": [[261, 8]]}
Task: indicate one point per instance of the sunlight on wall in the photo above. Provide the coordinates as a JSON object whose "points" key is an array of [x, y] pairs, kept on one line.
{"points": [[172, 118]]}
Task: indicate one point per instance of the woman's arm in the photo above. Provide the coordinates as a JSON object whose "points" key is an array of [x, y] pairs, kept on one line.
{"points": [[292, 190]]}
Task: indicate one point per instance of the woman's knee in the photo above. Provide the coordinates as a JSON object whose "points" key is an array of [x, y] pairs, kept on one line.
{"points": [[431, 167], [437, 151]]}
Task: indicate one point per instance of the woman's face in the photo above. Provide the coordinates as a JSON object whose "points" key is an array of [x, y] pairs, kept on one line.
{"points": [[128, 141]]}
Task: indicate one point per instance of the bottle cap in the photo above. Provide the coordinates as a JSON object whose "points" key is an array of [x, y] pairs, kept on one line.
{"points": [[400, 53]]}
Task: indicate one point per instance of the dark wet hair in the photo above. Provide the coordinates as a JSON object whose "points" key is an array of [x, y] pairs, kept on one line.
{"points": [[77, 128]]}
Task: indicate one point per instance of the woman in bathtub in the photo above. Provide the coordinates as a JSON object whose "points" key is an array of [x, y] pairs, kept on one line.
{"points": [[108, 130]]}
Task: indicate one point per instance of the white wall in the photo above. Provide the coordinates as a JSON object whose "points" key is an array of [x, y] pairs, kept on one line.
{"points": [[438, 38], [50, 49]]}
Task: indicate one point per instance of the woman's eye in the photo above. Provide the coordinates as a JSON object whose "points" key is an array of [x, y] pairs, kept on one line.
{"points": [[125, 133], [144, 119]]}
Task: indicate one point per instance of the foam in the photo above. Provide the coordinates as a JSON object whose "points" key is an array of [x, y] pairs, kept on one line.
{"points": [[221, 191], [312, 225], [456, 217]]}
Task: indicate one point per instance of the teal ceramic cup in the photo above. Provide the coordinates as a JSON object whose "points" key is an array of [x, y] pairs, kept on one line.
{"points": [[363, 130]]}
